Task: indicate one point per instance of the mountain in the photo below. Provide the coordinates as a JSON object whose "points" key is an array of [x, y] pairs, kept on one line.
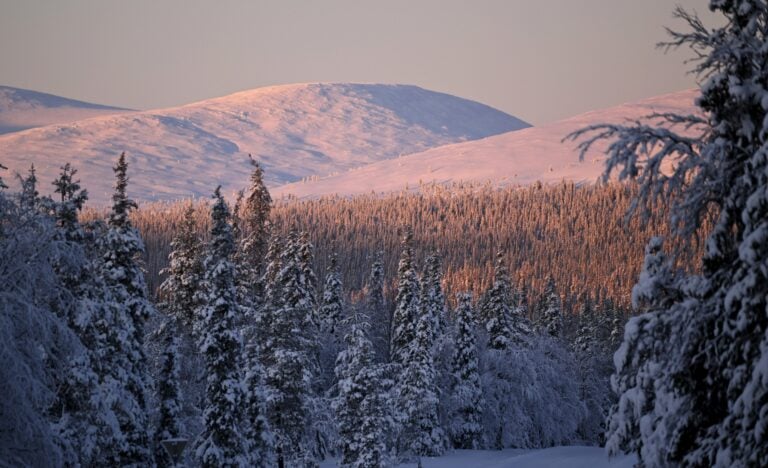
{"points": [[514, 158], [21, 109], [295, 131]]}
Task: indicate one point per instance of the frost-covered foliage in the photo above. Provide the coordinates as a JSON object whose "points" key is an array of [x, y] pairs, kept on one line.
{"points": [[466, 399], [291, 364], [417, 395], [181, 290], [361, 406], [550, 314], [496, 307], [169, 424], [710, 395], [332, 308], [406, 312], [432, 297], [222, 442], [531, 396], [376, 308], [121, 245]]}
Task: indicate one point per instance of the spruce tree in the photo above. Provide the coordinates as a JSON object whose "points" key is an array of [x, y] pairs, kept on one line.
{"points": [[290, 367], [181, 290], [121, 247], [715, 377], [465, 419], [406, 312], [376, 309], [497, 307], [332, 307], [221, 443], [550, 310], [432, 297], [418, 396], [168, 389], [360, 406]]}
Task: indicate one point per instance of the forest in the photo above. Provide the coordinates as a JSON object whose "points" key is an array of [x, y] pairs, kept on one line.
{"points": [[364, 330]]}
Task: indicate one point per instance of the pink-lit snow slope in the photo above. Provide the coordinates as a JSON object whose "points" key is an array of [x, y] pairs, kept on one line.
{"points": [[514, 158]]}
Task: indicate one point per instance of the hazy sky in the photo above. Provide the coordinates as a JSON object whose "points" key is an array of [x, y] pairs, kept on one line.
{"points": [[539, 60]]}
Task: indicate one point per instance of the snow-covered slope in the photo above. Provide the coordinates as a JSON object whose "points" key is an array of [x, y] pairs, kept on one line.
{"points": [[295, 131], [520, 157], [21, 109], [554, 457]]}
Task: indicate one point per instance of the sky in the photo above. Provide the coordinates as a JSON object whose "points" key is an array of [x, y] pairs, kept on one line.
{"points": [[539, 60]]}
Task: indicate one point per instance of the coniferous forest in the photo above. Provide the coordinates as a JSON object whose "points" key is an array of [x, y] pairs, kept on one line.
{"points": [[376, 330]]}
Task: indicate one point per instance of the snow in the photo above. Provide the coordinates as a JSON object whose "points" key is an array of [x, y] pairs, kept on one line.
{"points": [[294, 131], [570, 457], [21, 109], [514, 158]]}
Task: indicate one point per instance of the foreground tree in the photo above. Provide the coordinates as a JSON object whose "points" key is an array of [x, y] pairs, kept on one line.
{"points": [[406, 312], [121, 247], [465, 420], [712, 406], [361, 405], [221, 442]]}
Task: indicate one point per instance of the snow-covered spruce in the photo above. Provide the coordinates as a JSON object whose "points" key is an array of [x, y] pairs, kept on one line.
{"points": [[169, 425], [361, 405], [711, 399], [120, 246], [496, 307], [549, 312], [406, 311], [221, 442], [466, 400]]}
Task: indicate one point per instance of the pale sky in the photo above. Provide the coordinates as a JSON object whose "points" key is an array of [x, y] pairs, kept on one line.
{"points": [[539, 60]]}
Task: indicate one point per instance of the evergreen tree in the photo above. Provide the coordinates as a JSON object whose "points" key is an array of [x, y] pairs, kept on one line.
{"points": [[432, 297], [361, 405], [418, 396], [291, 368], [406, 312], [714, 378], [121, 247], [29, 198], [376, 309], [169, 424], [496, 308], [181, 290], [465, 419], [550, 311], [332, 308], [221, 442]]}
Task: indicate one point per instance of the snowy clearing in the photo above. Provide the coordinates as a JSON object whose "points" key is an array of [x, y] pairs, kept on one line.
{"points": [[570, 457]]}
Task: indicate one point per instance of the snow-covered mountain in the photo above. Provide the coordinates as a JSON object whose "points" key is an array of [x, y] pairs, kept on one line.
{"points": [[520, 157], [21, 109], [295, 131]]}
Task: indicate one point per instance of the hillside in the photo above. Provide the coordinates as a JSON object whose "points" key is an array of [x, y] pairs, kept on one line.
{"points": [[514, 158], [295, 131], [22, 109]]}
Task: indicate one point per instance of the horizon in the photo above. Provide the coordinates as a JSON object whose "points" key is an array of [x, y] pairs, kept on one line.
{"points": [[535, 62]]}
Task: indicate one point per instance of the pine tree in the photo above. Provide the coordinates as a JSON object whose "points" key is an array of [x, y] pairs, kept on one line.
{"points": [[169, 424], [550, 311], [715, 376], [360, 407], [29, 198], [497, 307], [406, 311], [465, 420], [121, 247], [221, 442]]}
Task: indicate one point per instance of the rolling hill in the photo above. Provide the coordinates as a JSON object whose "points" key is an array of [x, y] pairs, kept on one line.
{"points": [[514, 158], [22, 109], [295, 131]]}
